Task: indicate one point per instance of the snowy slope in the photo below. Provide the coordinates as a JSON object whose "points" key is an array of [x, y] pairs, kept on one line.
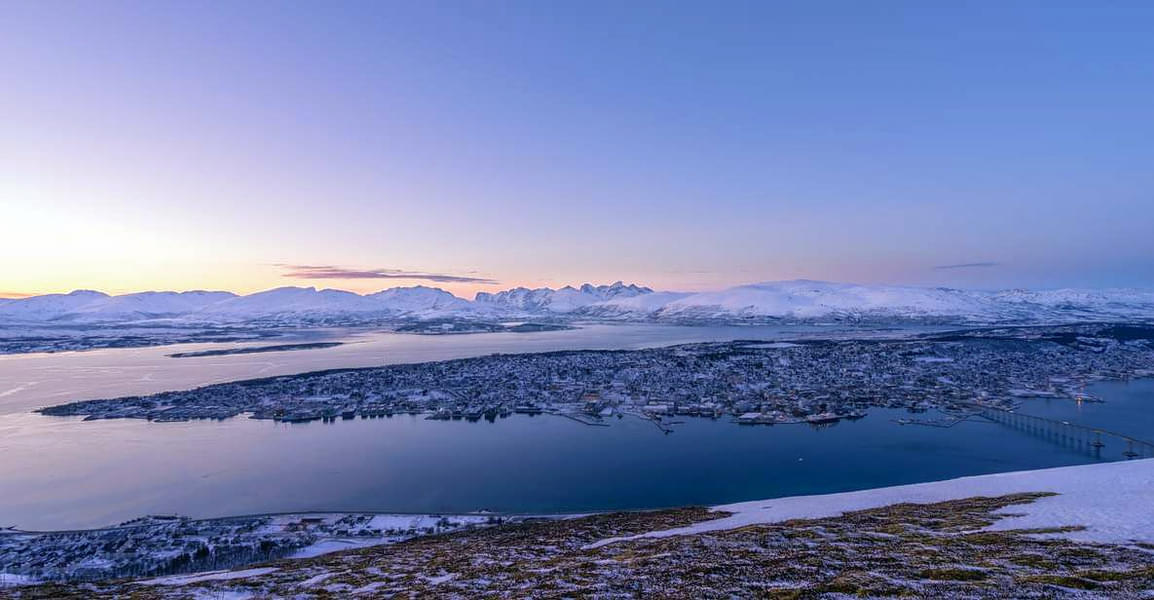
{"points": [[1111, 500], [565, 300], [150, 304], [49, 306], [291, 300], [1121, 303], [804, 300], [632, 307], [417, 301], [421, 301]]}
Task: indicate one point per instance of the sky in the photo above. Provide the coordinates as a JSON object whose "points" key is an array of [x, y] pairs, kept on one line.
{"points": [[477, 146]]}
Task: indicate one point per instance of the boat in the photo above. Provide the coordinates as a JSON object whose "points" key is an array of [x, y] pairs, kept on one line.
{"points": [[825, 417]]}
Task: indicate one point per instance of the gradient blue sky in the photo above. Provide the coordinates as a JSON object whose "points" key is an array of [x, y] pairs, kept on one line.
{"points": [[684, 145]]}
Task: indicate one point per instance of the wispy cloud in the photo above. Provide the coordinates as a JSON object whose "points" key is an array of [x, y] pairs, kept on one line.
{"points": [[15, 295], [973, 265], [335, 272]]}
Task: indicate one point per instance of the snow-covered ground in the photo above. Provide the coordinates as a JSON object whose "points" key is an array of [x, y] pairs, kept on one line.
{"points": [[1112, 501], [15, 580], [396, 527], [210, 576], [151, 544]]}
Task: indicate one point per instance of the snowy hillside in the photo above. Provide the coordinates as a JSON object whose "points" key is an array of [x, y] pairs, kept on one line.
{"points": [[288, 300], [419, 299], [1075, 532], [797, 300], [564, 300], [150, 304], [640, 306], [417, 302], [49, 306], [1086, 501], [810, 300], [803, 299]]}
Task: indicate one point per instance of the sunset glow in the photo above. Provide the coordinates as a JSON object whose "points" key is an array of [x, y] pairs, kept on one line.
{"points": [[161, 146]]}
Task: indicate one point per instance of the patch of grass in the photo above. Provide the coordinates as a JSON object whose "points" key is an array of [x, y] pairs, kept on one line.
{"points": [[1066, 581], [1079, 552], [1033, 560], [986, 538], [954, 574], [1048, 530], [1103, 575]]}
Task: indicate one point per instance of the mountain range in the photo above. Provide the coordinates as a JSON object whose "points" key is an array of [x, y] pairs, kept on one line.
{"points": [[796, 300]]}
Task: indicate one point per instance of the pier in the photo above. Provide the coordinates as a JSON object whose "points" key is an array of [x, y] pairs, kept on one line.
{"points": [[581, 419]]}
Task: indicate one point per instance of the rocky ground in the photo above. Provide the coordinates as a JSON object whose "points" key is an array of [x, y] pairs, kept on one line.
{"points": [[939, 550]]}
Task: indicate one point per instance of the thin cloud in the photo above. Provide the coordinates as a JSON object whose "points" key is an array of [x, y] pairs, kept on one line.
{"points": [[15, 295], [973, 265], [335, 272]]}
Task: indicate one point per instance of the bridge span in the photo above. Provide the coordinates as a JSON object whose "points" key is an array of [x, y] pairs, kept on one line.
{"points": [[1092, 440]]}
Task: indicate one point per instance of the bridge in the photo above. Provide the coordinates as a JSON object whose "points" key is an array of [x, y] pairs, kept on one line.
{"points": [[1092, 440]]}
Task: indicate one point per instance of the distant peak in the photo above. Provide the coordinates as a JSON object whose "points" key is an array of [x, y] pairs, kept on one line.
{"points": [[291, 288], [411, 288]]}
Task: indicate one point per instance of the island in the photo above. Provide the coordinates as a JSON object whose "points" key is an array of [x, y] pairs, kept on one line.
{"points": [[257, 349], [462, 326]]}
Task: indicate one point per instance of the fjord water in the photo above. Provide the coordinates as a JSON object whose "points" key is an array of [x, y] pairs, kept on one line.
{"points": [[62, 472]]}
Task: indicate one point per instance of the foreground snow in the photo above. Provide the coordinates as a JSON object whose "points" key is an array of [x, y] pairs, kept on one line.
{"points": [[1112, 501], [211, 576]]}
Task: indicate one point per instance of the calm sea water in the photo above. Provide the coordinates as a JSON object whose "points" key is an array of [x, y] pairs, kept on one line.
{"points": [[63, 473]]}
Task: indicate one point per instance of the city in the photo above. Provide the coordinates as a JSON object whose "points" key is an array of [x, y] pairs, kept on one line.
{"points": [[812, 382]]}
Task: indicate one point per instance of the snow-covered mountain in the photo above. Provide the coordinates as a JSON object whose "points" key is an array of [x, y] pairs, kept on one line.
{"points": [[418, 302], [797, 300], [87, 305], [565, 300], [290, 300], [143, 305], [817, 300], [49, 306], [424, 303], [804, 299], [285, 304], [640, 306]]}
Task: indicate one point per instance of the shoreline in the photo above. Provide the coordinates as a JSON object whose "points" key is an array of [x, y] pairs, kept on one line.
{"points": [[1058, 505]]}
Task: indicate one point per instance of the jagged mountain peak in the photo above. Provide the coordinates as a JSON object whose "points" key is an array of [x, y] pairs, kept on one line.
{"points": [[566, 299]]}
